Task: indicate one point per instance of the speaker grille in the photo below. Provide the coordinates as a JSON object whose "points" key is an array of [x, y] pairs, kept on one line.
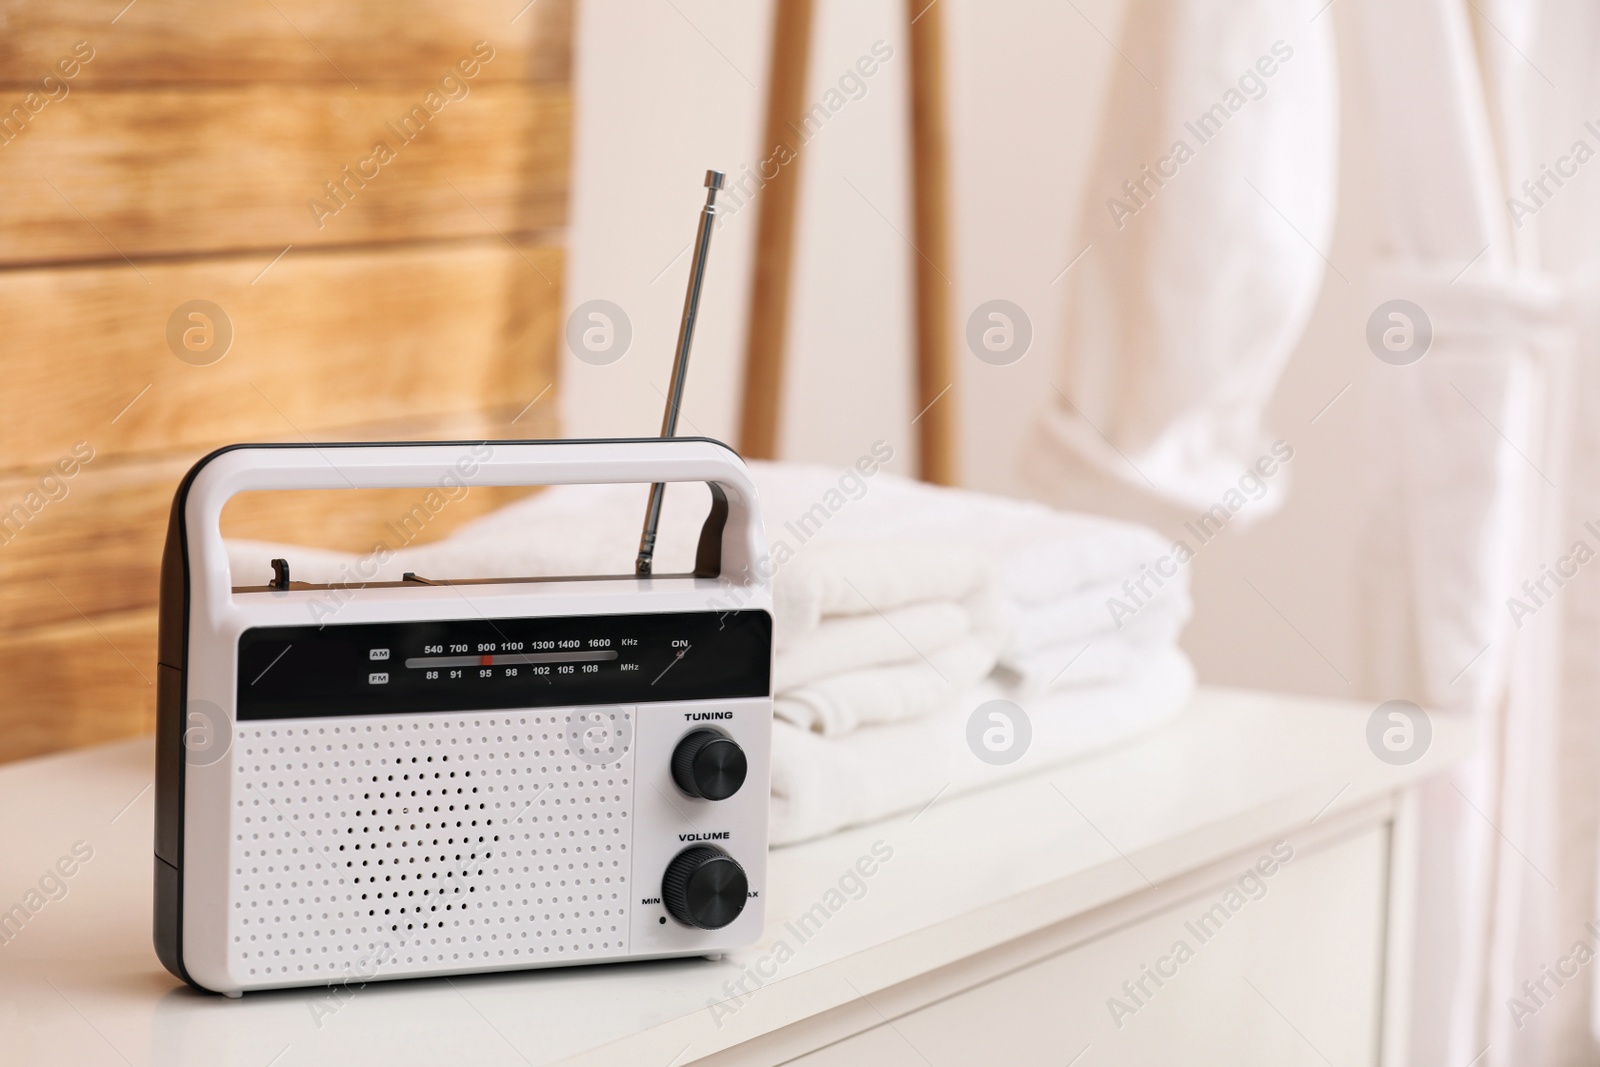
{"points": [[413, 845]]}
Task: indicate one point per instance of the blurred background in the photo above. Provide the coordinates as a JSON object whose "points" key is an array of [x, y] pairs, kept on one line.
{"points": [[187, 161], [282, 220]]}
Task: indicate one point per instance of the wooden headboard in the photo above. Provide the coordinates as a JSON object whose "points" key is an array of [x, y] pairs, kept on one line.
{"points": [[368, 196]]}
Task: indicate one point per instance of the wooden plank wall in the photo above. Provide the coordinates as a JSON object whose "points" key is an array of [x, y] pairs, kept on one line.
{"points": [[373, 192]]}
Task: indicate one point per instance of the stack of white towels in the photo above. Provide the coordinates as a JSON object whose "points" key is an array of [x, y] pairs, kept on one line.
{"points": [[899, 609]]}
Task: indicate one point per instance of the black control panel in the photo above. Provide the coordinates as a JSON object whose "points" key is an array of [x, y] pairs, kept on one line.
{"points": [[297, 672]]}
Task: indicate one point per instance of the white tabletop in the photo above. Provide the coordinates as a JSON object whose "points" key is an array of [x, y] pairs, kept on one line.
{"points": [[80, 984]]}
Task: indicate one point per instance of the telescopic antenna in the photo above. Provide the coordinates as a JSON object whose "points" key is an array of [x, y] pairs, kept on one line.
{"points": [[680, 365]]}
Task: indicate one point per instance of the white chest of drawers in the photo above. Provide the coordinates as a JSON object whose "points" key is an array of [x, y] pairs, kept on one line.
{"points": [[1033, 923]]}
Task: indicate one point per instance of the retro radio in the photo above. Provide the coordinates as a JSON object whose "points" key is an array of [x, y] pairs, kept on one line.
{"points": [[453, 776]]}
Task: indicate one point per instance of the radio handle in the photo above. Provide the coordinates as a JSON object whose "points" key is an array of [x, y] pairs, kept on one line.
{"points": [[733, 543]]}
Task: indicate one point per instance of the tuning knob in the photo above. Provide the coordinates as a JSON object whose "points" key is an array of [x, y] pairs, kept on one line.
{"points": [[704, 887], [708, 765]]}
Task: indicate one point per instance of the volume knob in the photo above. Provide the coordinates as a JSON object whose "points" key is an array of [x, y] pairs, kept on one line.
{"points": [[708, 765], [704, 887]]}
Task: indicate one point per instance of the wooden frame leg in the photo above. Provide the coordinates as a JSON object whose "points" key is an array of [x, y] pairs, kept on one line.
{"points": [[930, 196], [766, 333], [767, 329]]}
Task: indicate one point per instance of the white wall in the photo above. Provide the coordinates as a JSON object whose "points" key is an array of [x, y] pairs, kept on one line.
{"points": [[664, 92], [848, 380], [667, 88], [1027, 80]]}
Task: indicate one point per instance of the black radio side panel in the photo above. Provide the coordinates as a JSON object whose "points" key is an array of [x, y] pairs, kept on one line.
{"points": [[173, 630]]}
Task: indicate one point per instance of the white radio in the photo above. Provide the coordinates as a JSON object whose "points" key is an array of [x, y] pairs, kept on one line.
{"points": [[446, 777]]}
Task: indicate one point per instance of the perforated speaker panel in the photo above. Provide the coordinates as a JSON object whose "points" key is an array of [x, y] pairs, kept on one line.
{"points": [[426, 844]]}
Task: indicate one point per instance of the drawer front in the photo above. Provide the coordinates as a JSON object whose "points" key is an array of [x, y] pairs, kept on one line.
{"points": [[1287, 972]]}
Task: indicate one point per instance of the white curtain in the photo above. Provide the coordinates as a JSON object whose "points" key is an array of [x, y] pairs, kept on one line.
{"points": [[1493, 480], [1486, 451]]}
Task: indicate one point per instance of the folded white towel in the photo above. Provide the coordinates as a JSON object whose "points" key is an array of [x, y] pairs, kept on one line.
{"points": [[1087, 613], [1056, 570], [1092, 661], [840, 703], [875, 631], [820, 784], [852, 642], [864, 576], [1074, 641], [1039, 553]]}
